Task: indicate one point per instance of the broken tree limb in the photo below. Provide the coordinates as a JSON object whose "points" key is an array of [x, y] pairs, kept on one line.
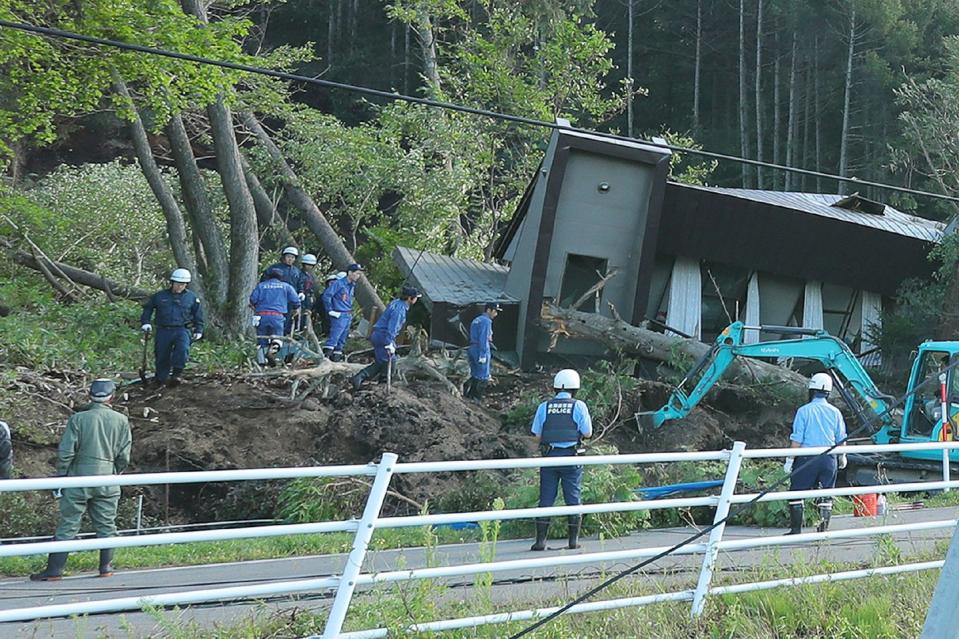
{"points": [[75, 275], [633, 340]]}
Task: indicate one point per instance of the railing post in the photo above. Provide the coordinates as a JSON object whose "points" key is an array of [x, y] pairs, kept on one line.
{"points": [[364, 533], [716, 535], [945, 468]]}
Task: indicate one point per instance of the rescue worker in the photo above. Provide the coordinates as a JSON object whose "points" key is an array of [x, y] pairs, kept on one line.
{"points": [[817, 423], [289, 274], [272, 300], [383, 335], [96, 442], [178, 314], [308, 264], [338, 301], [479, 352], [6, 451], [319, 306], [559, 425]]}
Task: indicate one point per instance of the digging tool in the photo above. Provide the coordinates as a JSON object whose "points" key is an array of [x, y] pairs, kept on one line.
{"points": [[143, 361], [389, 374]]}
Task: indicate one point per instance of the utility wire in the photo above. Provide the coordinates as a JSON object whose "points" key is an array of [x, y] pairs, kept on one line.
{"points": [[734, 510], [450, 106]]}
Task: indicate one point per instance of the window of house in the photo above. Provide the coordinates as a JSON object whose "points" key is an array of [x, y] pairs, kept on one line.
{"points": [[582, 272], [724, 297]]}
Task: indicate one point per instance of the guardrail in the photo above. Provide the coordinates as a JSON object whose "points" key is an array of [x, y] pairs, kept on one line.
{"points": [[345, 584]]}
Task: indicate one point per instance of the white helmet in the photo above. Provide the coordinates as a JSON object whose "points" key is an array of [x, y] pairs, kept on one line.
{"points": [[290, 250], [821, 382], [309, 258], [180, 275], [566, 379]]}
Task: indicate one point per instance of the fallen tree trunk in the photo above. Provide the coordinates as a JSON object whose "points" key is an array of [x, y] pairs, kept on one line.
{"points": [[626, 338], [76, 275]]}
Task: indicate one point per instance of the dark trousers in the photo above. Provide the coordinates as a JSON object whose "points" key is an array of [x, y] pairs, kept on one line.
{"points": [[172, 349], [814, 472], [550, 478]]}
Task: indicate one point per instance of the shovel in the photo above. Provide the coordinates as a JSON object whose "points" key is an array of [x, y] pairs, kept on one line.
{"points": [[143, 361], [389, 375]]}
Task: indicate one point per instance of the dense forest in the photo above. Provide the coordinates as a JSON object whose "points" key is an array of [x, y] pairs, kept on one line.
{"points": [[221, 166]]}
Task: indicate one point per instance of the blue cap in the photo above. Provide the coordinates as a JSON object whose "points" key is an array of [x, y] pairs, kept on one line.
{"points": [[409, 291], [354, 267], [493, 306], [274, 272], [102, 389]]}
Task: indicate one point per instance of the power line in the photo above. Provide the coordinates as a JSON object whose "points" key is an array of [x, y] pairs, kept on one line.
{"points": [[450, 106]]}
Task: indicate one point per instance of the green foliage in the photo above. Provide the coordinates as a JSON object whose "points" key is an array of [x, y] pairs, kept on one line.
{"points": [[312, 499]]}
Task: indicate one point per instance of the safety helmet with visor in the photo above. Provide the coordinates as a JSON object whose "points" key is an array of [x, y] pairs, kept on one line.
{"points": [[181, 276], [566, 379]]}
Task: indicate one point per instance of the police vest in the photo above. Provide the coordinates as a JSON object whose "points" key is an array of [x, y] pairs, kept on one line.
{"points": [[559, 425]]}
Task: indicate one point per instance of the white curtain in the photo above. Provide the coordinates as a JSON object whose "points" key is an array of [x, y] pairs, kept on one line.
{"points": [[812, 305], [685, 309], [752, 309], [871, 318]]}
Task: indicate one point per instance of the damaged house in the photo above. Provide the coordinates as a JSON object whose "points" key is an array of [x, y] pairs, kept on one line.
{"points": [[691, 258]]}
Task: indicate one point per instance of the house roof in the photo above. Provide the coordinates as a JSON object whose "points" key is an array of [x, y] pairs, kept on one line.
{"points": [[890, 220], [451, 279]]}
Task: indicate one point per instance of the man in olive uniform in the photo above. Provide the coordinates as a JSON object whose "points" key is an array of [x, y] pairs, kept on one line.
{"points": [[96, 442]]}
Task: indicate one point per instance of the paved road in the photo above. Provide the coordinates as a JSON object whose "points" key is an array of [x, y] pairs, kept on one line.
{"points": [[512, 586]]}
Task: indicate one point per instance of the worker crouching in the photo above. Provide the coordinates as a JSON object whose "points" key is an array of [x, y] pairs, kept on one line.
{"points": [[383, 336], [559, 425]]}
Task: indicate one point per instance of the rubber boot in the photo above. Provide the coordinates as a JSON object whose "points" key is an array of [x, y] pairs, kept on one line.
{"points": [[574, 522], [261, 355], [468, 388], [542, 527], [825, 512], [479, 390], [106, 562], [175, 377], [337, 356], [56, 561], [328, 353], [357, 380], [795, 519]]}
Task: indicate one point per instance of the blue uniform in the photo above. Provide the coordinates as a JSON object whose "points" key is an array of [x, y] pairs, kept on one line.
{"points": [[177, 315], [562, 414], [291, 275], [478, 353], [338, 297], [387, 327], [817, 423], [271, 301]]}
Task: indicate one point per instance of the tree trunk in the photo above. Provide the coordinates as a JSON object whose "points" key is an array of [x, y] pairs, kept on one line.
{"points": [[626, 338], [175, 226], [807, 121], [698, 65], [200, 211], [332, 244], [791, 125], [406, 59], [743, 106], [777, 115], [427, 39], [818, 113], [330, 33], [844, 137], [759, 94], [266, 215], [630, 18]]}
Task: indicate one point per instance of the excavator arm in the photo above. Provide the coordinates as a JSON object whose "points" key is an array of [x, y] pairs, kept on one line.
{"points": [[853, 380]]}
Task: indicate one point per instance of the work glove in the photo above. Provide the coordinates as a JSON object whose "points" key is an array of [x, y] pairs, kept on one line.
{"points": [[197, 336], [146, 328], [391, 348], [788, 466], [843, 462], [255, 321], [302, 296], [335, 314], [482, 360], [57, 493]]}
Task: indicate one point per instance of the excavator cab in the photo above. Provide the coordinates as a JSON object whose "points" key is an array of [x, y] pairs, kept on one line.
{"points": [[923, 410]]}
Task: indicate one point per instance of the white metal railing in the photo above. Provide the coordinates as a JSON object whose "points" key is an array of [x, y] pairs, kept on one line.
{"points": [[352, 577]]}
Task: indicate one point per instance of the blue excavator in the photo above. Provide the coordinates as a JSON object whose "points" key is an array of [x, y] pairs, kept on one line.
{"points": [[933, 385]]}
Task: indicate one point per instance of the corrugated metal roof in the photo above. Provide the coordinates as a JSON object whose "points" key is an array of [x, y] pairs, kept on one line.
{"points": [[892, 220], [452, 279]]}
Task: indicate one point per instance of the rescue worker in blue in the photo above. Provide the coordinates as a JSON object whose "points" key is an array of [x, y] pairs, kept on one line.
{"points": [[383, 335], [338, 301], [479, 352], [289, 274], [817, 423], [272, 300], [178, 314], [319, 306], [308, 263], [559, 425]]}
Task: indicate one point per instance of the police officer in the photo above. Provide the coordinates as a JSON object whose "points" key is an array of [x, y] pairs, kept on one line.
{"points": [[319, 306], [289, 274], [6, 451], [308, 263], [96, 442], [478, 353], [271, 300], [338, 301], [559, 425], [383, 335], [817, 423], [178, 313]]}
